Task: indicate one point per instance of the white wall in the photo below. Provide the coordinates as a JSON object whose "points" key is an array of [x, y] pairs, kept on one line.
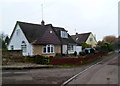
{"points": [[78, 49], [17, 39]]}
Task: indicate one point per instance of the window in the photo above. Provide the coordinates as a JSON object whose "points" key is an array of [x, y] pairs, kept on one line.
{"points": [[12, 47], [76, 39], [91, 39], [64, 34], [17, 31], [24, 46], [70, 47], [48, 49]]}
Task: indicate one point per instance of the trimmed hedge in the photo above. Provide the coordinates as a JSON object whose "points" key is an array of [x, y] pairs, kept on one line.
{"points": [[37, 59], [77, 61]]}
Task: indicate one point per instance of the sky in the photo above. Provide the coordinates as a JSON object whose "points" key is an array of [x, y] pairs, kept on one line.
{"points": [[97, 16]]}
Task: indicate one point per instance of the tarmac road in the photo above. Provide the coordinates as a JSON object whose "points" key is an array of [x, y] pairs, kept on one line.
{"points": [[105, 72], [39, 76]]}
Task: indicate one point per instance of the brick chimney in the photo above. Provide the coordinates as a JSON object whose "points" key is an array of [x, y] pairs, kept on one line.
{"points": [[42, 23]]}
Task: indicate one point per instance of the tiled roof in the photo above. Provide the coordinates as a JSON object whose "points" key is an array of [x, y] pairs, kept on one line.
{"points": [[40, 34], [78, 38]]}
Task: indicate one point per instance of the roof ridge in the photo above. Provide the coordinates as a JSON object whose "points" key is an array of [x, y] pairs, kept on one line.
{"points": [[82, 33], [28, 23], [85, 33]]}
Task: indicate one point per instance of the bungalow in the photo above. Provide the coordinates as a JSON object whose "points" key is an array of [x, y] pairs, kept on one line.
{"points": [[45, 40], [85, 37]]}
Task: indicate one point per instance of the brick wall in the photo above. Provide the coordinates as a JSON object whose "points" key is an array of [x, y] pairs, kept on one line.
{"points": [[12, 53], [11, 56]]}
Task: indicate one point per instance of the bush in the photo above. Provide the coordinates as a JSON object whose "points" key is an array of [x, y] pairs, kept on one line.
{"points": [[84, 45], [105, 47], [57, 56], [92, 50], [86, 51], [82, 53], [75, 53], [37, 59]]}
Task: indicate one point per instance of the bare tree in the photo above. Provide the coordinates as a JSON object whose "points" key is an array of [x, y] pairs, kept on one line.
{"points": [[109, 39]]}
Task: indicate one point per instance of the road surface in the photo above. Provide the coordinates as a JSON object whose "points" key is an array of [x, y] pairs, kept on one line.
{"points": [[105, 72]]}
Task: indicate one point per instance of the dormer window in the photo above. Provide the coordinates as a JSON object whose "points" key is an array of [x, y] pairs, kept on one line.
{"points": [[76, 39], [64, 34]]}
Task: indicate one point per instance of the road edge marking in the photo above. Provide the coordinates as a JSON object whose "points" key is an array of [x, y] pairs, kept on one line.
{"points": [[66, 82]]}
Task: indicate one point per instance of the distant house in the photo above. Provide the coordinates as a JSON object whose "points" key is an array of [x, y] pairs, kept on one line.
{"points": [[45, 40], [85, 37]]}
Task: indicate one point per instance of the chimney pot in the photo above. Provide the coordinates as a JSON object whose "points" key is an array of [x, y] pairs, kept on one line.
{"points": [[42, 22], [76, 33]]}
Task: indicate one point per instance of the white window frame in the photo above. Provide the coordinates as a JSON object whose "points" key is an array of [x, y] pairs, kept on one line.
{"points": [[70, 47], [51, 51], [64, 34]]}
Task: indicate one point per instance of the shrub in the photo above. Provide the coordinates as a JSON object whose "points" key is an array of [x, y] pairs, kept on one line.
{"points": [[86, 51], [57, 56], [37, 59], [84, 45], [105, 47], [81, 53], [75, 53], [92, 50]]}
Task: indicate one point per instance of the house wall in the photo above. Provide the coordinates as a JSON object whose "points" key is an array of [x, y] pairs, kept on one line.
{"points": [[78, 49], [16, 41], [75, 48], [37, 50], [93, 42]]}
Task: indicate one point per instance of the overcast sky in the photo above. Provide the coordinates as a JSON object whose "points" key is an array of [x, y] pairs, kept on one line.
{"points": [[97, 16]]}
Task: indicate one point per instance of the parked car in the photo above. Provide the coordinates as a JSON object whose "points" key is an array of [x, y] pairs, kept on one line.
{"points": [[119, 51]]}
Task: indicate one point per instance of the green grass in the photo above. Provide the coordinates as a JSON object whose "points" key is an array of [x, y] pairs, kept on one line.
{"points": [[66, 66]]}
